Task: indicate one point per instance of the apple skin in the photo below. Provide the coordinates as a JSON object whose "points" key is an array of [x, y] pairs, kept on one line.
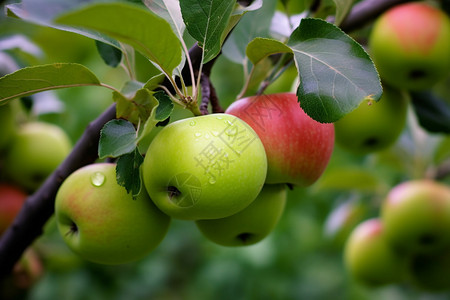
{"points": [[35, 152], [368, 257], [205, 167], [373, 126], [101, 222], [298, 148], [416, 215], [410, 46], [11, 200], [250, 225]]}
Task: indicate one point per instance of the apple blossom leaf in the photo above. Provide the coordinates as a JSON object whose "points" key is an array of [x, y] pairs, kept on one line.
{"points": [[432, 112], [259, 48], [110, 55], [117, 137], [128, 172], [35, 79], [335, 72], [206, 22], [133, 25]]}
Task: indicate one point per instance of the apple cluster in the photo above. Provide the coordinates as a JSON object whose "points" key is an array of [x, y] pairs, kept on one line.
{"points": [[227, 172], [408, 242]]}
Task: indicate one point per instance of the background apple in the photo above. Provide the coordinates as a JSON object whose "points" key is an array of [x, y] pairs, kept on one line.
{"points": [[416, 215], [369, 258], [298, 148], [11, 201], [250, 225], [35, 152], [373, 126], [101, 222], [410, 45], [205, 167]]}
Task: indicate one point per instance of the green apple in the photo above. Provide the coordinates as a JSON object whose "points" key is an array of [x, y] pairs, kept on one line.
{"points": [[369, 259], [431, 272], [101, 222], [35, 152], [205, 167], [298, 148], [7, 125], [11, 201], [410, 46], [250, 225], [373, 126], [416, 215]]}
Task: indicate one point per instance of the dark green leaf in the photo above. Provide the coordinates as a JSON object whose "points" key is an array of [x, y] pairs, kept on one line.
{"points": [[432, 112], [206, 21], [132, 25], [165, 106], [336, 74], [127, 172], [31, 80], [110, 55], [117, 137]]}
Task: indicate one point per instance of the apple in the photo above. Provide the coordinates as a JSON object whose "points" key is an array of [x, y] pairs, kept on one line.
{"points": [[298, 148], [431, 272], [11, 201], [369, 259], [416, 215], [35, 152], [7, 125], [410, 46], [101, 222], [250, 225], [373, 126], [205, 167]]}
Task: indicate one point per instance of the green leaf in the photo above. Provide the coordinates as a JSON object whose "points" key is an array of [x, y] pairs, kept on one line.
{"points": [[336, 74], [135, 106], [31, 80], [110, 55], [128, 173], [350, 179], [260, 48], [432, 112], [132, 25], [117, 137], [206, 21], [165, 106]]}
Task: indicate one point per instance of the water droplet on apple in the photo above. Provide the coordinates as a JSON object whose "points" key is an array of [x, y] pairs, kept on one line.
{"points": [[207, 136], [219, 118], [212, 180], [215, 133], [198, 134], [192, 123], [98, 179]]}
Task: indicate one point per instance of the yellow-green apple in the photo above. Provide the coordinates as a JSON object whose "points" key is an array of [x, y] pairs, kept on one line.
{"points": [[298, 148], [11, 201], [373, 126], [101, 222], [369, 259], [410, 45], [430, 272], [7, 125], [205, 167], [250, 225], [35, 152], [416, 215]]}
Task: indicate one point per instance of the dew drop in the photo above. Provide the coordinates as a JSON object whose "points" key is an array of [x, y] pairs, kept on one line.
{"points": [[98, 179], [207, 136], [212, 180], [198, 134], [219, 118], [192, 123], [215, 133]]}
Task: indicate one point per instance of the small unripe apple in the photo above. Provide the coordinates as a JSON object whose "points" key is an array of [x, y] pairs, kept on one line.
{"points": [[416, 215], [35, 152], [205, 167], [410, 46], [11, 201], [250, 225], [298, 148], [104, 224], [369, 259], [373, 126]]}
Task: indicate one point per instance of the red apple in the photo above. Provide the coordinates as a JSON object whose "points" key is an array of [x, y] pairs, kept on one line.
{"points": [[298, 148], [11, 200]]}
